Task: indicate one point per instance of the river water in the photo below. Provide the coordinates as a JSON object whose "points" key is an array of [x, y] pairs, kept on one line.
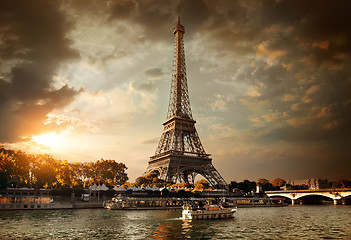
{"points": [[291, 222]]}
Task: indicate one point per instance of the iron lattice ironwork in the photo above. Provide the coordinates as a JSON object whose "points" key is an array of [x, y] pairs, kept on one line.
{"points": [[180, 155]]}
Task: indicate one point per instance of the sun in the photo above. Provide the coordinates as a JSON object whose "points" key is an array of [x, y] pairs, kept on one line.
{"points": [[49, 139]]}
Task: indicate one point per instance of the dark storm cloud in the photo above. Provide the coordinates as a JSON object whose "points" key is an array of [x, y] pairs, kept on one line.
{"points": [[314, 37], [155, 16], [33, 46]]}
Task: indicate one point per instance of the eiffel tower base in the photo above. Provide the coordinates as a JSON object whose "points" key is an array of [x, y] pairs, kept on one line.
{"points": [[179, 167]]}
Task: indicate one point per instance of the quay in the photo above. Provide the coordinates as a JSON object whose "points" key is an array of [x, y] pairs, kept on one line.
{"points": [[37, 199]]}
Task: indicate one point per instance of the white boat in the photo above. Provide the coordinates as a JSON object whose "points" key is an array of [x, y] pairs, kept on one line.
{"points": [[209, 211]]}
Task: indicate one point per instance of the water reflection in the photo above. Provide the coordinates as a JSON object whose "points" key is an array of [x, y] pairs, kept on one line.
{"points": [[167, 225], [186, 226]]}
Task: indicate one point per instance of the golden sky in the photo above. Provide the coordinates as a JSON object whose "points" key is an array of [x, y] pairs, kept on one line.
{"points": [[269, 82]]}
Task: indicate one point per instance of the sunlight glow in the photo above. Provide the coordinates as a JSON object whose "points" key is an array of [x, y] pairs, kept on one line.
{"points": [[49, 139]]}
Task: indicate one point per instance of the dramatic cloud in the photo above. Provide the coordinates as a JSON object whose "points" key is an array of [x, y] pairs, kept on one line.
{"points": [[269, 81], [33, 47]]}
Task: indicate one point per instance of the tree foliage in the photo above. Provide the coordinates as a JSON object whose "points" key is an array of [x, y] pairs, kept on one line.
{"points": [[150, 179], [247, 186], [202, 185], [278, 182], [110, 172], [18, 169], [263, 181]]}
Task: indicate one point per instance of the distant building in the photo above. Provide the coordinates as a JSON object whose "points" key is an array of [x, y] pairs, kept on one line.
{"points": [[313, 184]]}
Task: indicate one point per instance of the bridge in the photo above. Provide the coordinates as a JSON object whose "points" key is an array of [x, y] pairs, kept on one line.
{"points": [[338, 195]]}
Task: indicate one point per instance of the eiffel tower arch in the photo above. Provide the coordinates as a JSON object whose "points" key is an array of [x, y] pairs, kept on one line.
{"points": [[180, 156]]}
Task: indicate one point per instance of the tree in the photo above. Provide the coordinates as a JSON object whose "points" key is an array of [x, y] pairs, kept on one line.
{"points": [[278, 182], [263, 181], [65, 174], [233, 184], [182, 185], [110, 172], [149, 179], [14, 168], [44, 170], [202, 184], [266, 184], [21, 169], [247, 186], [6, 167]]}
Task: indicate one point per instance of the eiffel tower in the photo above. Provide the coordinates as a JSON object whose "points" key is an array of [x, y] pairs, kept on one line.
{"points": [[180, 156]]}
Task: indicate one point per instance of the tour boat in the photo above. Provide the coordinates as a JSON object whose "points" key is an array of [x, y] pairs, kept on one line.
{"points": [[208, 211]]}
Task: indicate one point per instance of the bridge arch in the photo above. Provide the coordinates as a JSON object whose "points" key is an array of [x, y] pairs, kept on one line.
{"points": [[325, 195], [297, 196], [346, 196], [346, 199], [307, 198], [316, 199]]}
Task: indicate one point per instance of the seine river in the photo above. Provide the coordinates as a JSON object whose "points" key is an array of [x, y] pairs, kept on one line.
{"points": [[292, 222]]}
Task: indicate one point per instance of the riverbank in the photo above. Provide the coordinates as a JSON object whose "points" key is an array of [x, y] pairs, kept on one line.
{"points": [[132, 203], [38, 199]]}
